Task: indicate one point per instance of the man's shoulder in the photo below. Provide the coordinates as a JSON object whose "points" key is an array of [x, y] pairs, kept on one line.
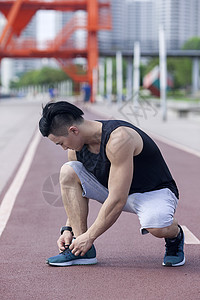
{"points": [[119, 142], [124, 139]]}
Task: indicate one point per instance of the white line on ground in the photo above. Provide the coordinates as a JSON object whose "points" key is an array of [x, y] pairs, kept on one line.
{"points": [[11, 195], [190, 238]]}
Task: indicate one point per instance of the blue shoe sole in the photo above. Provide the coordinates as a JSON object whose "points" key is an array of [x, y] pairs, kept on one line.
{"points": [[168, 264], [75, 262]]}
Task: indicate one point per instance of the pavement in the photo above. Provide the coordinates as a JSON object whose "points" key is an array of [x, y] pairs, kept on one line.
{"points": [[129, 265], [18, 121]]}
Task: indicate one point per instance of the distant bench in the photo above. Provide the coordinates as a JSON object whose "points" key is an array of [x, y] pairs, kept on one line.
{"points": [[184, 111]]}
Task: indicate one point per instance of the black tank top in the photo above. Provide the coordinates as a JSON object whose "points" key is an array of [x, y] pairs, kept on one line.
{"points": [[150, 169]]}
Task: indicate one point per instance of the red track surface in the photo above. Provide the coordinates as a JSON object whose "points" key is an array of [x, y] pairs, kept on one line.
{"points": [[129, 264]]}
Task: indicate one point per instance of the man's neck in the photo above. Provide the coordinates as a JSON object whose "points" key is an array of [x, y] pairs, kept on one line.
{"points": [[92, 131]]}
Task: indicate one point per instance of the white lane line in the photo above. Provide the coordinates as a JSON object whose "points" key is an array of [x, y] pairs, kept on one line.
{"points": [[190, 238], [11, 195]]}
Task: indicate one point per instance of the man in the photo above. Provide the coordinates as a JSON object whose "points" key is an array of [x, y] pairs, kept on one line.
{"points": [[118, 165], [87, 92]]}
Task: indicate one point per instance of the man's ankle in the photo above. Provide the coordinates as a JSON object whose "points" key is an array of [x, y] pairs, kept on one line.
{"points": [[178, 236]]}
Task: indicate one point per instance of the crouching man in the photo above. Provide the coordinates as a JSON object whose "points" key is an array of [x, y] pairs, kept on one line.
{"points": [[119, 165]]}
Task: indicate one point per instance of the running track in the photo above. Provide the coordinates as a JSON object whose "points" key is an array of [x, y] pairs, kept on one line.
{"points": [[129, 264]]}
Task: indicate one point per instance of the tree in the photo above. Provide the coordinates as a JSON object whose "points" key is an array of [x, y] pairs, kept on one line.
{"points": [[182, 67], [192, 44], [46, 75], [181, 70]]}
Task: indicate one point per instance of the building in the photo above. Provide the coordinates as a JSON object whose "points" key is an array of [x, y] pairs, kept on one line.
{"points": [[78, 37], [12, 68], [180, 19], [131, 21], [139, 20], [140, 24], [114, 39], [21, 66]]}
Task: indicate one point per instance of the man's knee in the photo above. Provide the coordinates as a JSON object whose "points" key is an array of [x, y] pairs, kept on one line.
{"points": [[162, 219], [165, 232], [68, 175], [158, 232]]}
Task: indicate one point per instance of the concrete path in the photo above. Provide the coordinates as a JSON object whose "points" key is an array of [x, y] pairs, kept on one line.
{"points": [[18, 121]]}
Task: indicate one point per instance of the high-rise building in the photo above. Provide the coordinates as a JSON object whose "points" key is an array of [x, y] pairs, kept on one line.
{"points": [[6, 64], [132, 20], [140, 23], [139, 20], [78, 37], [180, 19], [61, 18], [115, 37], [23, 65], [2, 22]]}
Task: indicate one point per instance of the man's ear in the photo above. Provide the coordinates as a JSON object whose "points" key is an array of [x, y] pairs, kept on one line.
{"points": [[73, 129]]}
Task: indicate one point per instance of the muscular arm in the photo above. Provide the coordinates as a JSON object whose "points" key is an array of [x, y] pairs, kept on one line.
{"points": [[120, 151], [120, 154]]}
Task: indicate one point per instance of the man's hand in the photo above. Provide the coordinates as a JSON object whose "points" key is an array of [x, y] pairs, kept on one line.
{"points": [[64, 240], [81, 244]]}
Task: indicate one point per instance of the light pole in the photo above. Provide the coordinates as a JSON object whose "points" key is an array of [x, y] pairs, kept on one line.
{"points": [[163, 72]]}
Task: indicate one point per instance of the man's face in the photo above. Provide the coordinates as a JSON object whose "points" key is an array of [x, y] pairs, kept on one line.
{"points": [[71, 141]]}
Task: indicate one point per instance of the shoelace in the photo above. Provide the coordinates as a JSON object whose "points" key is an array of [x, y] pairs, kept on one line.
{"points": [[67, 250]]}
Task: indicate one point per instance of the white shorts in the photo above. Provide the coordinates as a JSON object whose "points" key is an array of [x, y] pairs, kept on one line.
{"points": [[154, 209]]}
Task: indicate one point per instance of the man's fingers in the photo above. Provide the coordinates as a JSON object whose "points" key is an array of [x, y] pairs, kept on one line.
{"points": [[61, 244], [64, 242], [61, 247], [67, 237], [83, 253], [76, 251], [71, 247]]}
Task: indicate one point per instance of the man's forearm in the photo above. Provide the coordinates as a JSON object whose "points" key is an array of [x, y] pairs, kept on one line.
{"points": [[68, 223], [108, 214]]}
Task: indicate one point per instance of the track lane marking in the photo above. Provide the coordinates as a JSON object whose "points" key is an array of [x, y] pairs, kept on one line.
{"points": [[190, 238], [11, 194]]}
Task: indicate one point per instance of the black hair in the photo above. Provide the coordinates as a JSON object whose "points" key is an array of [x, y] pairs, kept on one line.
{"points": [[56, 117]]}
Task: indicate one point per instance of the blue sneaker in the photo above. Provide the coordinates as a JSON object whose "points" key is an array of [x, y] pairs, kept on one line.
{"points": [[174, 255], [66, 258]]}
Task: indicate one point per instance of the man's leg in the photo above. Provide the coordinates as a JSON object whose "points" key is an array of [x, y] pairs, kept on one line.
{"points": [[76, 206], [167, 232], [155, 210], [174, 239]]}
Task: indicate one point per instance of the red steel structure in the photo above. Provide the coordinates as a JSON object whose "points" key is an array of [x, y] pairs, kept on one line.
{"points": [[19, 13]]}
